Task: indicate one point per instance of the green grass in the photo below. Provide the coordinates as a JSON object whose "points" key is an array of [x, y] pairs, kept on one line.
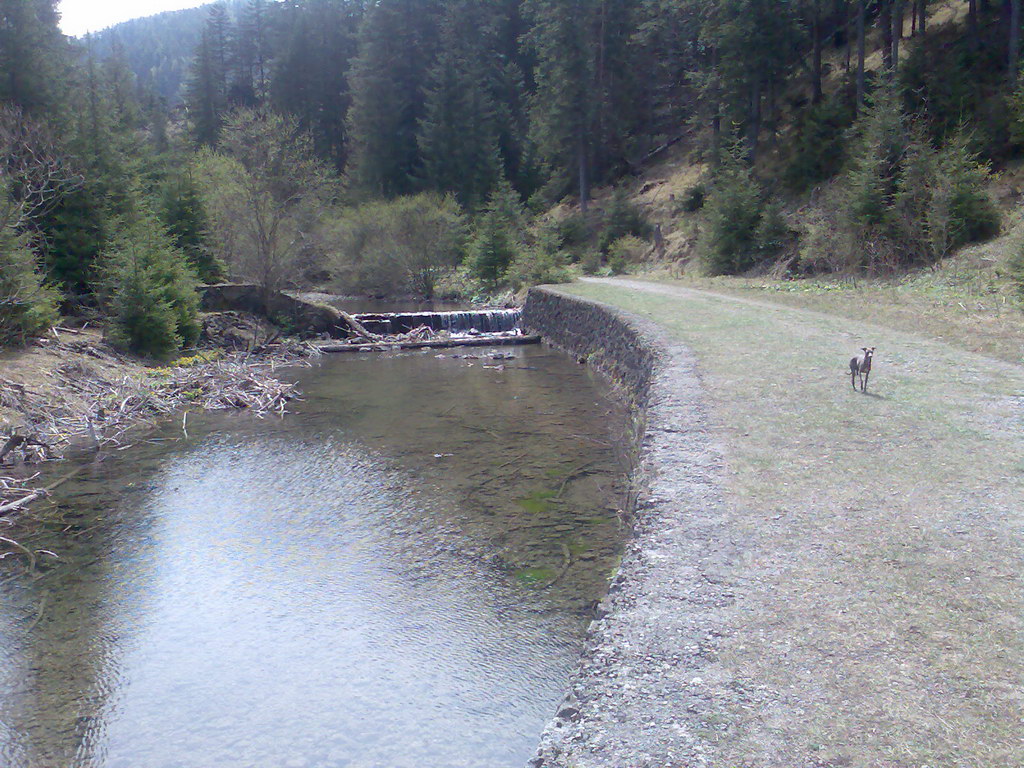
{"points": [[881, 533]]}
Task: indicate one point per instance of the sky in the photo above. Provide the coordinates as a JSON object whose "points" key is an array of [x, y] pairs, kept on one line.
{"points": [[81, 16]]}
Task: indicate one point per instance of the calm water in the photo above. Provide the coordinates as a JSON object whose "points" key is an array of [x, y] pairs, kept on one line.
{"points": [[366, 582]]}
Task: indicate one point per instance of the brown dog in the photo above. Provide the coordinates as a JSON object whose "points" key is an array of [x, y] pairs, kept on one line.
{"points": [[861, 365]]}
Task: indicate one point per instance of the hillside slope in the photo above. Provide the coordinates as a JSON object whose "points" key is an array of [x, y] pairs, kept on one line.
{"points": [[159, 49]]}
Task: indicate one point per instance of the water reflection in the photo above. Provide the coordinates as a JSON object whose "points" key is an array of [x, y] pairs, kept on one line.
{"points": [[354, 585]]}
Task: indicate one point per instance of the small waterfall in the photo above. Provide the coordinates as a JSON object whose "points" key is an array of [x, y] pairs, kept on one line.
{"points": [[458, 323]]}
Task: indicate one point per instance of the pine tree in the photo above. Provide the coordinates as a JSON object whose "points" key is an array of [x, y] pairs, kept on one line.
{"points": [[148, 287], [33, 55], [184, 215], [582, 97], [397, 40], [500, 235], [311, 73], [458, 136], [754, 43], [207, 90]]}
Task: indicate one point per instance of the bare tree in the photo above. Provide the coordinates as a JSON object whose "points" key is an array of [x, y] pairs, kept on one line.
{"points": [[265, 191], [34, 175]]}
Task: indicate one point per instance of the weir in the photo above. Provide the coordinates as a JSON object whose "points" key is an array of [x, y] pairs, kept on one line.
{"points": [[462, 322]]}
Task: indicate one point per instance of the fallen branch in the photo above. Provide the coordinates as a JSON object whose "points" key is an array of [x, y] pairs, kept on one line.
{"points": [[22, 501]]}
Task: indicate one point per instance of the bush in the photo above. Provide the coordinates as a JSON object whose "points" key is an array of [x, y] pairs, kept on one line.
{"points": [[537, 267], [265, 193], [27, 305], [622, 218], [694, 197], [590, 262], [399, 247], [1015, 267], [572, 230], [628, 249], [149, 289], [736, 236]]}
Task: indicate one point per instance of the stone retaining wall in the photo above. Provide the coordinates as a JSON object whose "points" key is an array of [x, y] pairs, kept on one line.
{"points": [[638, 698], [598, 334]]}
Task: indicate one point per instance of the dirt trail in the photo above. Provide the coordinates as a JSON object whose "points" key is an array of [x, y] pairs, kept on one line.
{"points": [[875, 611]]}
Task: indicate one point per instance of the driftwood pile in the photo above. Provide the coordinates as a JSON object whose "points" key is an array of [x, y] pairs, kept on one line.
{"points": [[99, 410]]}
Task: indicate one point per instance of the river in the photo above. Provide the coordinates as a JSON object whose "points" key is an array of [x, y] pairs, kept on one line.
{"points": [[397, 573]]}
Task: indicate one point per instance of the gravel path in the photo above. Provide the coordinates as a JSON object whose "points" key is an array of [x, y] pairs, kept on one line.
{"points": [[820, 578]]}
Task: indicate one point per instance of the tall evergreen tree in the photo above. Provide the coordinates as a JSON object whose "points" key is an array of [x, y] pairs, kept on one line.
{"points": [[755, 41], [207, 90], [397, 41], [582, 97], [458, 136], [317, 43], [33, 56]]}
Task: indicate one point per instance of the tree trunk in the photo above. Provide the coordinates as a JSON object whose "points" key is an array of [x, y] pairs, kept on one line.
{"points": [[584, 179], [816, 55], [849, 39], [897, 32], [861, 14], [885, 21], [1014, 52], [972, 21], [716, 114], [922, 17], [754, 125]]}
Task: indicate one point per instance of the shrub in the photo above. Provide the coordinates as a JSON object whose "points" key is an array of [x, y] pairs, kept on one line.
{"points": [[733, 239], [616, 265], [572, 230], [401, 246], [590, 263], [693, 198], [622, 218], [629, 249], [537, 267], [1015, 267], [27, 305], [265, 193], [149, 289]]}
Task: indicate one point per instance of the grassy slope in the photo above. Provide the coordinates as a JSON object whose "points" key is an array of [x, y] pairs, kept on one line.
{"points": [[882, 599]]}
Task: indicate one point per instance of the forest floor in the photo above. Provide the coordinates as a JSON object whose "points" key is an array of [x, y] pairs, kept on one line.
{"points": [[877, 605]]}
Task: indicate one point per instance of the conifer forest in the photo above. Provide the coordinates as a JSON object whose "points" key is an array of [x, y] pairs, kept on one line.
{"points": [[459, 147]]}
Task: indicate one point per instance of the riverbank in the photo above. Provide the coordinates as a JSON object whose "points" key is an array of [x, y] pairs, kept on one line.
{"points": [[71, 391], [818, 577]]}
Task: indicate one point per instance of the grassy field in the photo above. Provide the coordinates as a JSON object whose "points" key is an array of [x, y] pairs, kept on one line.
{"points": [[880, 600]]}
